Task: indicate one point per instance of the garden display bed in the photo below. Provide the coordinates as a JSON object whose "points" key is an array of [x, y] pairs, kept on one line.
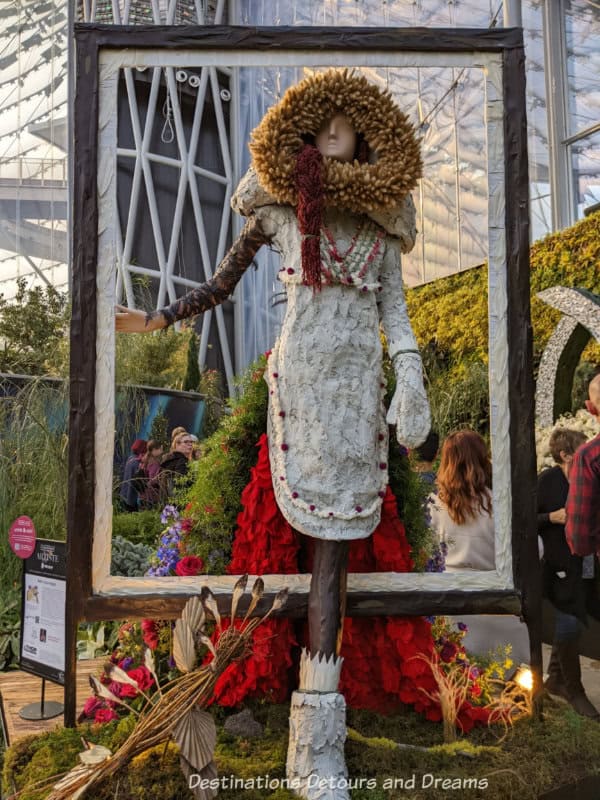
{"points": [[537, 760]]}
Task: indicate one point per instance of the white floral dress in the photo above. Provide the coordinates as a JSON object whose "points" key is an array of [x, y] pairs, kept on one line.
{"points": [[328, 437]]}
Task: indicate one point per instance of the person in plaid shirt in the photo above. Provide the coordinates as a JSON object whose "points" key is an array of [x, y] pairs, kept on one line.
{"points": [[583, 503]]}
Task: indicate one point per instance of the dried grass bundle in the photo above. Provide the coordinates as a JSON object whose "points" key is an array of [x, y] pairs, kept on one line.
{"points": [[453, 684], [511, 703], [177, 713], [305, 108]]}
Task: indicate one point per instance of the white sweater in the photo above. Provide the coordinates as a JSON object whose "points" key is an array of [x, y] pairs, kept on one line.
{"points": [[470, 545]]}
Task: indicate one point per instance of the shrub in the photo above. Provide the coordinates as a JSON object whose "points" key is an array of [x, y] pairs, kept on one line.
{"points": [[141, 527]]}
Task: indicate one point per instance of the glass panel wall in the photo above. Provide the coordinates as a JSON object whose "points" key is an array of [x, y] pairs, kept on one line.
{"points": [[33, 144], [582, 41]]}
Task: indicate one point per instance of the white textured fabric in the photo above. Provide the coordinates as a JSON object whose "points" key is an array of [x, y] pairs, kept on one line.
{"points": [[315, 760], [399, 222], [470, 545], [327, 423]]}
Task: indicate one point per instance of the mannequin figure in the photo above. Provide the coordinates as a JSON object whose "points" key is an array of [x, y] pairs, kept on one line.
{"points": [[333, 163]]}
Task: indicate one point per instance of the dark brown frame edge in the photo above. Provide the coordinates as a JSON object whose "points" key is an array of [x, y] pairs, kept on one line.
{"points": [[89, 38], [526, 563], [82, 372]]}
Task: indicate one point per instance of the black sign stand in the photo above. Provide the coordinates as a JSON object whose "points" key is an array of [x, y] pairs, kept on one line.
{"points": [[43, 709], [48, 561]]}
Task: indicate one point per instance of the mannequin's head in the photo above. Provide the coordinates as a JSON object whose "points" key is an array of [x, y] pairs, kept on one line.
{"points": [[337, 139]]}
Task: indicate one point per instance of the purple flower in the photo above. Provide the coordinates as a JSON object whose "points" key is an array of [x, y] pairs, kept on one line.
{"points": [[169, 512]]}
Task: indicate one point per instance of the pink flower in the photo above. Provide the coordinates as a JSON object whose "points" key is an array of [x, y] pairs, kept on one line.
{"points": [[116, 688], [91, 705], [190, 565], [105, 715]]}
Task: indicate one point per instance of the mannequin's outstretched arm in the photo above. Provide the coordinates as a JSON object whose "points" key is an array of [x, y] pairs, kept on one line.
{"points": [[409, 409], [210, 294]]}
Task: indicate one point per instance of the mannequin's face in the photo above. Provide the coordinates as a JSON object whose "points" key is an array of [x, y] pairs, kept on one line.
{"points": [[337, 139]]}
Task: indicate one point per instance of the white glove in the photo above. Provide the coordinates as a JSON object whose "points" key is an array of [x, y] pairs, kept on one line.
{"points": [[409, 409]]}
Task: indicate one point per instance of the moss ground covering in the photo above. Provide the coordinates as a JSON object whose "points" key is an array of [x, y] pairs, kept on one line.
{"points": [[535, 756]]}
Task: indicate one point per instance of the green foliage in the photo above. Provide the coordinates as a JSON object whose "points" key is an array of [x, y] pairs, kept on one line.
{"points": [[160, 430], [140, 527], [450, 318], [129, 559], [10, 627], [191, 380], [212, 390], [33, 331], [224, 470], [451, 314], [131, 406], [459, 397], [411, 494], [95, 639], [33, 462], [153, 359]]}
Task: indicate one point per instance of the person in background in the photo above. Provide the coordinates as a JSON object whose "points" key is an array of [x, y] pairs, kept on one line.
{"points": [[175, 463], [461, 515], [175, 433], [150, 466], [427, 453], [128, 494], [583, 503], [562, 573]]}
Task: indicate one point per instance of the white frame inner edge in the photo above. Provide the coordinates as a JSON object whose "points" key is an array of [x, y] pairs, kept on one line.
{"points": [[111, 61]]}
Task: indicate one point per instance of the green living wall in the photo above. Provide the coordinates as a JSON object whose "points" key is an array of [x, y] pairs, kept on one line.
{"points": [[450, 320]]}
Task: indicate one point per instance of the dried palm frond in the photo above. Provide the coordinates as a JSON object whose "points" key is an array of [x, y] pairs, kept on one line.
{"points": [[151, 667], [184, 648], [238, 591], [209, 602], [258, 589], [177, 714]]}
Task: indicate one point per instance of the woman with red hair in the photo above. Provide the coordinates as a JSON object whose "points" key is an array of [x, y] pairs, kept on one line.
{"points": [[461, 515]]}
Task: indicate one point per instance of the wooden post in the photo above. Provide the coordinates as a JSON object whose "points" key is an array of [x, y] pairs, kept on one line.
{"points": [[327, 598]]}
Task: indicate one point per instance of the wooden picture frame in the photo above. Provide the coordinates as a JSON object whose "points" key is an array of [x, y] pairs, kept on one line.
{"points": [[101, 51]]}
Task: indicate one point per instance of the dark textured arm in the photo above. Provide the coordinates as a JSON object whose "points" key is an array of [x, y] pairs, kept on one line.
{"points": [[221, 285]]}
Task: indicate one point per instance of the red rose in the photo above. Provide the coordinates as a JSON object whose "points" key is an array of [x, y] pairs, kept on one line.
{"points": [[190, 565], [105, 715], [142, 676], [150, 633]]}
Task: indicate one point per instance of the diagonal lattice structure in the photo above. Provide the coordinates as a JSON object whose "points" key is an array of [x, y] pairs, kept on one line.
{"points": [[175, 171]]}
